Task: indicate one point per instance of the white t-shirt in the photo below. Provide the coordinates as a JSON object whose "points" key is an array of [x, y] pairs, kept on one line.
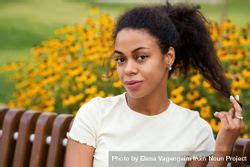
{"points": [[109, 124]]}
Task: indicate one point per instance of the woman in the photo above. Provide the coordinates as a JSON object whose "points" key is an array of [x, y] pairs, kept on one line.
{"points": [[150, 44]]}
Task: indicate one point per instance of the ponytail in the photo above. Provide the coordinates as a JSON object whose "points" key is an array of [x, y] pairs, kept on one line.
{"points": [[195, 47]]}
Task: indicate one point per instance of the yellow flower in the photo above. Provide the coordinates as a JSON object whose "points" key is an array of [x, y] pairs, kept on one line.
{"points": [[245, 40], [101, 93], [12, 104], [193, 95], [185, 104], [74, 48], [228, 75], [246, 73], [81, 78], [69, 100], [64, 84], [195, 81], [246, 136], [205, 112], [74, 72], [206, 84], [238, 82], [178, 98], [110, 95], [17, 76], [91, 90], [50, 102], [49, 109], [70, 38], [200, 102], [227, 43], [215, 126], [178, 90], [79, 85], [211, 90], [21, 84], [79, 96], [90, 79], [74, 113], [117, 84], [87, 100], [236, 91]]}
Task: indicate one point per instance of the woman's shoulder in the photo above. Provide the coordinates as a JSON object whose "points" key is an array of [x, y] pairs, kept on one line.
{"points": [[98, 104], [184, 112], [105, 101], [190, 116]]}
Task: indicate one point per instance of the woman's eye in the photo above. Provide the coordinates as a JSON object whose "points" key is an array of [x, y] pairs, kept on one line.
{"points": [[141, 58], [120, 59]]}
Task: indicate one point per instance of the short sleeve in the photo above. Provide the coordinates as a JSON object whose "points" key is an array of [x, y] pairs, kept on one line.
{"points": [[204, 144], [85, 125]]}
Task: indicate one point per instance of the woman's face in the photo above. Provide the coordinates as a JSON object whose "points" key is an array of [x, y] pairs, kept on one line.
{"points": [[141, 66]]}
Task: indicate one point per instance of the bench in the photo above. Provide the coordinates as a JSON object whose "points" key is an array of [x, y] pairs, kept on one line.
{"points": [[38, 139]]}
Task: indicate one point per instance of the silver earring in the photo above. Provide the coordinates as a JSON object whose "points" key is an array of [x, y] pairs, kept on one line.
{"points": [[170, 68]]}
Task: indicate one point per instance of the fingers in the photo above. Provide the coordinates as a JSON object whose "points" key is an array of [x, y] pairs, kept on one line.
{"points": [[237, 113], [228, 122], [222, 117], [232, 120], [231, 112], [237, 97], [236, 105]]}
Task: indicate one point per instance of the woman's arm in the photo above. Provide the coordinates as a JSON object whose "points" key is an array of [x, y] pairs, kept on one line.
{"points": [[228, 134], [78, 154]]}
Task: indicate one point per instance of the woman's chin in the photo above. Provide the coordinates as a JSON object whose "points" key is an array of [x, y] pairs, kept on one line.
{"points": [[135, 94]]}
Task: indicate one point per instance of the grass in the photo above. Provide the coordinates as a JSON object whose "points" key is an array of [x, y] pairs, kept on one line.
{"points": [[6, 87], [237, 11], [25, 23]]}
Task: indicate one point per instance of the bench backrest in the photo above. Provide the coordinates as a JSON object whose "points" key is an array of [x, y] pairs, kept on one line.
{"points": [[32, 138], [38, 139]]}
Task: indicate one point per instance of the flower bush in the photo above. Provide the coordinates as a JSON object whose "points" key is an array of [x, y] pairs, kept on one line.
{"points": [[67, 71]]}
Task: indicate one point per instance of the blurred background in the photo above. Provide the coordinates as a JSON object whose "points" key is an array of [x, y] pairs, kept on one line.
{"points": [[48, 47]]}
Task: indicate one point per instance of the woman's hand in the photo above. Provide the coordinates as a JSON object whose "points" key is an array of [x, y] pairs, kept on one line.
{"points": [[232, 124]]}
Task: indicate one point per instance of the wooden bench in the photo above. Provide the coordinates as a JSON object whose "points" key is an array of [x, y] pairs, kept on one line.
{"points": [[38, 139]]}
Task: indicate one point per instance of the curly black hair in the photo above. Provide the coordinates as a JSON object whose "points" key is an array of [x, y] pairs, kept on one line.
{"points": [[184, 28]]}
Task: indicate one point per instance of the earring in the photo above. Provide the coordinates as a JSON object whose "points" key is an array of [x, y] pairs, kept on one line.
{"points": [[170, 68]]}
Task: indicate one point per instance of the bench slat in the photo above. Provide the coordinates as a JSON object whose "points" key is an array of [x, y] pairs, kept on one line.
{"points": [[23, 147], [246, 150], [40, 148], [240, 149], [7, 143], [3, 110], [56, 149]]}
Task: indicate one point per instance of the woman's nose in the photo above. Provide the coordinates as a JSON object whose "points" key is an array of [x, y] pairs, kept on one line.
{"points": [[131, 68]]}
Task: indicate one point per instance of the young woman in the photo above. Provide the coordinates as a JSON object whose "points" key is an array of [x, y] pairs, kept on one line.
{"points": [[150, 44]]}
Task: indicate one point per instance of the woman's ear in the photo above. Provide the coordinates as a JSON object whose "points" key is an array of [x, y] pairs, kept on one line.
{"points": [[169, 57]]}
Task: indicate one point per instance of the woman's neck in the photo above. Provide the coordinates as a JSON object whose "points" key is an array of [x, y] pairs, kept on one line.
{"points": [[153, 104]]}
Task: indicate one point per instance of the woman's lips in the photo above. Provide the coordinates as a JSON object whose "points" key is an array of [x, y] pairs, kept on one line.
{"points": [[132, 85]]}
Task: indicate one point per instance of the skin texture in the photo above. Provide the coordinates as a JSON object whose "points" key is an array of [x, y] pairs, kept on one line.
{"points": [[139, 57], [78, 155]]}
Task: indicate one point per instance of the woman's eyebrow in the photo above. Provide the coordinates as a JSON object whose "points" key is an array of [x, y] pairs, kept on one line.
{"points": [[119, 52], [139, 49]]}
